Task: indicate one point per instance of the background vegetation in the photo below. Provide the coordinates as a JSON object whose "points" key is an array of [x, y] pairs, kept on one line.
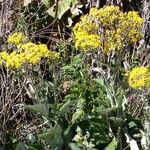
{"points": [[74, 74]]}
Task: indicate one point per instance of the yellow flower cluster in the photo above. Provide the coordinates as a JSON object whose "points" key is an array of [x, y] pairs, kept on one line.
{"points": [[25, 52], [107, 28], [93, 40], [16, 38], [139, 77]]}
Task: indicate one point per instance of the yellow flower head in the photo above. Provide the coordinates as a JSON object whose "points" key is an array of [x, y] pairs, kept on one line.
{"points": [[108, 29], [34, 52], [17, 38], [4, 55], [15, 60], [25, 52], [139, 77], [28, 52]]}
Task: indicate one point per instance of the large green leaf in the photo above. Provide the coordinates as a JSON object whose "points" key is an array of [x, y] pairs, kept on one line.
{"points": [[63, 6], [53, 137], [74, 146], [101, 83], [79, 111], [65, 108], [45, 2], [112, 145], [39, 108], [77, 115]]}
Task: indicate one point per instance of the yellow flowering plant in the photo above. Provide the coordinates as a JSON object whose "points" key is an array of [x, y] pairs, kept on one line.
{"points": [[108, 29], [139, 77], [17, 38], [25, 52], [83, 100]]}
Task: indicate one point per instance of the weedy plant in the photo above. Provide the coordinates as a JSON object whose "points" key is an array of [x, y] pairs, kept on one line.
{"points": [[108, 34], [81, 95]]}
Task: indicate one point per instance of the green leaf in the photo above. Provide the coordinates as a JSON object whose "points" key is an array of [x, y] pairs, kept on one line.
{"points": [[35, 147], [77, 115], [108, 112], [80, 103], [74, 146], [39, 108], [21, 146], [53, 137], [45, 2], [112, 145], [66, 107], [101, 83], [63, 7], [79, 111]]}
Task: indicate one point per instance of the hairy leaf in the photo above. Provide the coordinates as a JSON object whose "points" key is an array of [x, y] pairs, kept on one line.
{"points": [[63, 7], [53, 137], [39, 108], [74, 146]]}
